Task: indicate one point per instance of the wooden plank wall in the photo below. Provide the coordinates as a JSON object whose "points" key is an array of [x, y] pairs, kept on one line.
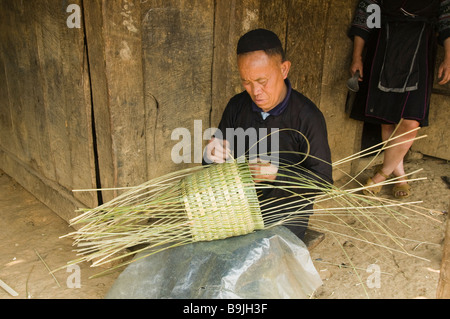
{"points": [[113, 38], [151, 74], [45, 109], [443, 288], [148, 67], [437, 143]]}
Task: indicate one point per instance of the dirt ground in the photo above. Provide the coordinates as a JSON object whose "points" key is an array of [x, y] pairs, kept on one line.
{"points": [[354, 269], [30, 231], [30, 243]]}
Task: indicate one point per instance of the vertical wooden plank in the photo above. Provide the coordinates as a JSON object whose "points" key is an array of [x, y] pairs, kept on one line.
{"points": [[33, 95], [114, 38], [177, 51], [77, 101], [443, 289], [344, 132], [7, 129], [60, 54], [48, 51], [95, 48], [6, 125], [273, 16], [123, 57], [16, 65], [306, 44]]}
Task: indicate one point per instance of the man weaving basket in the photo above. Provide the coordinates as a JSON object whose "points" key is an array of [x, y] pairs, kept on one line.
{"points": [[298, 143]]}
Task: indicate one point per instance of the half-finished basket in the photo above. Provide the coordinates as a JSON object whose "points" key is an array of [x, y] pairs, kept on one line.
{"points": [[221, 202], [198, 204]]}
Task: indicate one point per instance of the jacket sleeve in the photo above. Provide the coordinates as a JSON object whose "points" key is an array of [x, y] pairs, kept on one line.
{"points": [[444, 21], [359, 25], [315, 170]]}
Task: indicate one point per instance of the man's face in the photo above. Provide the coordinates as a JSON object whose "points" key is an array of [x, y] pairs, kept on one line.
{"points": [[263, 78]]}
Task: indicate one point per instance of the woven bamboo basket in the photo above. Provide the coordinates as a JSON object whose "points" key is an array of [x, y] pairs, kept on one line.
{"points": [[202, 204], [221, 202]]}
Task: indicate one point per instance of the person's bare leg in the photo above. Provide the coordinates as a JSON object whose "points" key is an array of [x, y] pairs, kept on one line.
{"points": [[386, 133], [393, 157]]}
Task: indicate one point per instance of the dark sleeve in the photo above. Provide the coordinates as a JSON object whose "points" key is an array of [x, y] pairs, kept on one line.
{"points": [[359, 24], [318, 163], [315, 169], [444, 21]]}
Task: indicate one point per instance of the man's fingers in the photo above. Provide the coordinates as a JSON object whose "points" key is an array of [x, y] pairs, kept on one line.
{"points": [[217, 159], [263, 171], [218, 151]]}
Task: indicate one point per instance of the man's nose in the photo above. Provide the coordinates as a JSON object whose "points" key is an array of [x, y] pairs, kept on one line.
{"points": [[257, 90]]}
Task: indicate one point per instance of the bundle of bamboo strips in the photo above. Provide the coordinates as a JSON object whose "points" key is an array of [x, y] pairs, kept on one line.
{"points": [[220, 201]]}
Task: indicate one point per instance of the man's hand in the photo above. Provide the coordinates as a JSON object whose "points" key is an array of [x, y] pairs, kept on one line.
{"points": [[263, 172], [218, 151]]}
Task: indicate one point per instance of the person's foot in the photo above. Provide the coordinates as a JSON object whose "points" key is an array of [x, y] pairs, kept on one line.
{"points": [[380, 176], [402, 189], [373, 186]]}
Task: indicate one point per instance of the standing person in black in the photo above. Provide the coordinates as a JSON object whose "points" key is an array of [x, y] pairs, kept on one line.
{"points": [[397, 73], [275, 113]]}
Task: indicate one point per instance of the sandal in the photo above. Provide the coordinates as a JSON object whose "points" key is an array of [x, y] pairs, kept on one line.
{"points": [[401, 191], [373, 188]]}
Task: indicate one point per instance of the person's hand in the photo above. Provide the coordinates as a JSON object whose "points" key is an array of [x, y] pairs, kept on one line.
{"points": [[357, 61], [263, 171], [218, 151], [357, 65], [444, 68], [444, 72]]}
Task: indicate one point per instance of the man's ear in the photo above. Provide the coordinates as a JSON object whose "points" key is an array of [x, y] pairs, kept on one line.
{"points": [[285, 67]]}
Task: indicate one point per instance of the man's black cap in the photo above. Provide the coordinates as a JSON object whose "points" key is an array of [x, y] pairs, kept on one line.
{"points": [[259, 39]]}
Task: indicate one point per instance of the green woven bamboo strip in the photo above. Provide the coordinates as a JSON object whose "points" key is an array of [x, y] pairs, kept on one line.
{"points": [[221, 201]]}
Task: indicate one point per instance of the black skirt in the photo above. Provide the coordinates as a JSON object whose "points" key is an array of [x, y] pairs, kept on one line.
{"points": [[400, 59], [398, 74]]}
